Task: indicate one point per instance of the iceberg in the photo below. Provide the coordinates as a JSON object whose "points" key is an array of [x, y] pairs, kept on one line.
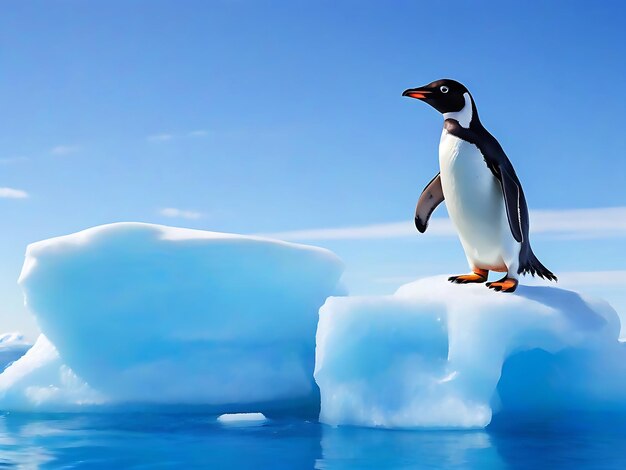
{"points": [[12, 347], [40, 381], [441, 355], [241, 418], [146, 315], [141, 313]]}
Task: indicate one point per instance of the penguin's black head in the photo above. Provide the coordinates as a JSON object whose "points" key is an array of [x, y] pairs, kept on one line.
{"points": [[446, 95]]}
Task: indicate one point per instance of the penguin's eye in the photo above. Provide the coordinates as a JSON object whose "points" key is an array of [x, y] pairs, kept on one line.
{"points": [[444, 89]]}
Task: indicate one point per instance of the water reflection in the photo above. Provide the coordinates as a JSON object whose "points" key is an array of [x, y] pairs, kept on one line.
{"points": [[372, 448], [564, 440], [174, 440], [15, 450], [154, 441]]}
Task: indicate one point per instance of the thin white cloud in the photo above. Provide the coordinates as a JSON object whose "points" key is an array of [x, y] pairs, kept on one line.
{"points": [[198, 133], [601, 222], [167, 136], [393, 230], [180, 213], [603, 279], [64, 149], [159, 137], [15, 159], [604, 222], [437, 227], [10, 193]]}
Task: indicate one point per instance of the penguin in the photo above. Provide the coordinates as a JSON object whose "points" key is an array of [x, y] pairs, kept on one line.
{"points": [[483, 194]]}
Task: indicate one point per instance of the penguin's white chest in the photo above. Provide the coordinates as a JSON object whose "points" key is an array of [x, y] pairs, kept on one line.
{"points": [[475, 203]]}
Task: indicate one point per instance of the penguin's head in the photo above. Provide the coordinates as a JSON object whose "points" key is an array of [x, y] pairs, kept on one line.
{"points": [[446, 96]]}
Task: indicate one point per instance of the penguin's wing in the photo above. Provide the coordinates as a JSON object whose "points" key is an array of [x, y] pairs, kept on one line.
{"points": [[502, 169], [431, 197], [513, 197]]}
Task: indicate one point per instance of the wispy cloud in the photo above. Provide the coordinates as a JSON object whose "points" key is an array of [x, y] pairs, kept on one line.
{"points": [[180, 213], [64, 149], [593, 278], [198, 133], [167, 136], [10, 193], [601, 222], [159, 137], [437, 227], [15, 159], [604, 222]]}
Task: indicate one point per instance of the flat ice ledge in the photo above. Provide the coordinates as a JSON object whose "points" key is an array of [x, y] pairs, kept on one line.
{"points": [[441, 355], [160, 315]]}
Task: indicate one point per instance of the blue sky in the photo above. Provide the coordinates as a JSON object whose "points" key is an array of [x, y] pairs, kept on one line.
{"points": [[275, 117]]}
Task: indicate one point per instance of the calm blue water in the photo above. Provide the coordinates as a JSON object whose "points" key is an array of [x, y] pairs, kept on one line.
{"points": [[168, 440]]}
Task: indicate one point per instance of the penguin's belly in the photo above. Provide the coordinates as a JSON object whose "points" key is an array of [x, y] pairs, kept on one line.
{"points": [[475, 203]]}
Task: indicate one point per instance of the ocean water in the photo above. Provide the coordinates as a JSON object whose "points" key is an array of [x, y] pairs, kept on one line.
{"points": [[196, 440]]}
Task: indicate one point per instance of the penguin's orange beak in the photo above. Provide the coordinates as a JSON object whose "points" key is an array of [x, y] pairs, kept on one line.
{"points": [[418, 93]]}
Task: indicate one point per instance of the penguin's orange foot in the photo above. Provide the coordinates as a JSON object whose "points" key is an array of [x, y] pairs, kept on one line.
{"points": [[478, 276], [506, 284]]}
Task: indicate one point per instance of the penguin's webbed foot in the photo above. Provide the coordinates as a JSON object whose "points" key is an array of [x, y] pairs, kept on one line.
{"points": [[478, 276], [506, 284]]}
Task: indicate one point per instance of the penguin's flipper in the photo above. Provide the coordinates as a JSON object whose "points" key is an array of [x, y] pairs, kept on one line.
{"points": [[431, 197], [513, 201]]}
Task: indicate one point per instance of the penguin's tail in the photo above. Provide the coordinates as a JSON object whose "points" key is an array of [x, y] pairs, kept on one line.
{"points": [[529, 264]]}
